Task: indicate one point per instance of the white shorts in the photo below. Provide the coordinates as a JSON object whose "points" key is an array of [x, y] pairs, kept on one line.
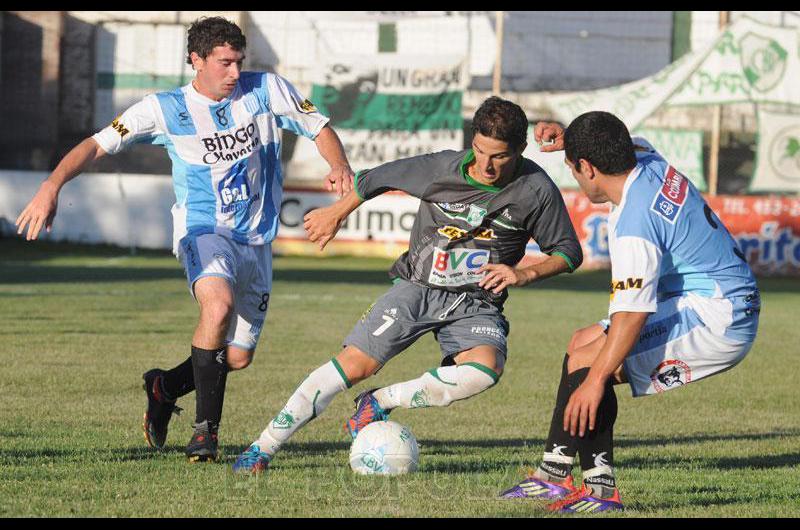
{"points": [[248, 269], [676, 346]]}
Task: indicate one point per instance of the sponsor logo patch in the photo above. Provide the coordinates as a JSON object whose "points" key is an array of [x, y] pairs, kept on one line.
{"points": [[624, 285], [457, 266], [119, 127], [306, 106], [453, 207], [670, 198], [670, 374], [453, 233]]}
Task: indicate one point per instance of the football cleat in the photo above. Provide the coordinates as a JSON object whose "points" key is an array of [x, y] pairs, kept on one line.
{"points": [[203, 445], [159, 410], [367, 411], [584, 500], [535, 488], [253, 460]]}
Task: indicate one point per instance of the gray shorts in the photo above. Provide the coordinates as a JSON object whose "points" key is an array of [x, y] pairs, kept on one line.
{"points": [[409, 310]]}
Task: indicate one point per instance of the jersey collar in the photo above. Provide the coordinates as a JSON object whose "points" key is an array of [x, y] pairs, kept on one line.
{"points": [[197, 96], [468, 159]]}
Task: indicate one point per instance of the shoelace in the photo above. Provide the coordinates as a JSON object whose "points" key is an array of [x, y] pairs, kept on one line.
{"points": [[569, 499]]}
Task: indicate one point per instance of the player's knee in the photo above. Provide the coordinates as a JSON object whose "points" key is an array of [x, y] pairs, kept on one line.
{"points": [[577, 360], [239, 363], [216, 313]]}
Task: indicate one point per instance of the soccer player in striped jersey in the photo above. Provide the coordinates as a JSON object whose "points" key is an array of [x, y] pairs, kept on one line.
{"points": [[684, 306], [221, 132]]}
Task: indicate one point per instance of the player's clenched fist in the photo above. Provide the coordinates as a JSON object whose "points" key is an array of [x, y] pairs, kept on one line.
{"points": [[546, 132], [321, 225], [39, 212]]}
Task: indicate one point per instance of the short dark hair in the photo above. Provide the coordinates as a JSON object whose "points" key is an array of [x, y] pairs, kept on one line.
{"points": [[502, 120], [206, 33], [603, 140]]}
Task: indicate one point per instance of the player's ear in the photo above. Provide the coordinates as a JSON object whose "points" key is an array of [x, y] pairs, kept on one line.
{"points": [[585, 168], [197, 61]]}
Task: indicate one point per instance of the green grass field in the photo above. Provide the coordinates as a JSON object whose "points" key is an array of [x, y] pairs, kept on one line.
{"points": [[79, 325]]}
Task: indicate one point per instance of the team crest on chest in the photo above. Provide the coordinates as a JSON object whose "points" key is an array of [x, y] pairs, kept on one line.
{"points": [[475, 215]]}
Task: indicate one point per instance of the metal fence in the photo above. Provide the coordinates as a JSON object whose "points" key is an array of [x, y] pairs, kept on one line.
{"points": [[62, 77]]}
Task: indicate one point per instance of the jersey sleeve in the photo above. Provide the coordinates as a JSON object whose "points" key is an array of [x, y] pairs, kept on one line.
{"points": [[635, 267], [138, 124], [551, 227], [412, 175], [292, 110]]}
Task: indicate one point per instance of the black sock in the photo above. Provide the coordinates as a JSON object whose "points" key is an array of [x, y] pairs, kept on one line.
{"points": [[558, 441], [179, 381], [210, 373], [596, 448]]}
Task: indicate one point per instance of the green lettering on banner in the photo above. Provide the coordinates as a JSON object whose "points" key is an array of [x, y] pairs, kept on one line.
{"points": [[350, 109]]}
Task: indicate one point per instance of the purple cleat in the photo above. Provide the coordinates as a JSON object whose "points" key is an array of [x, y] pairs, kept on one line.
{"points": [[536, 488], [585, 501]]}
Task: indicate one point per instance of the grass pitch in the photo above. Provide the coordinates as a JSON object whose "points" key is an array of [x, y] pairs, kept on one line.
{"points": [[79, 325]]}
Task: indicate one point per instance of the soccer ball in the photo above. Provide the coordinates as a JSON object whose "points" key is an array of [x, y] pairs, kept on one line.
{"points": [[384, 448]]}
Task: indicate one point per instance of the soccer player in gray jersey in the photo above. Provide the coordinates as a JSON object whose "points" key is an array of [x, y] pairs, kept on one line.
{"points": [[479, 207]]}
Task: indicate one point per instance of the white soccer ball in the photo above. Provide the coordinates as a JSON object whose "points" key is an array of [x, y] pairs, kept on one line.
{"points": [[384, 448]]}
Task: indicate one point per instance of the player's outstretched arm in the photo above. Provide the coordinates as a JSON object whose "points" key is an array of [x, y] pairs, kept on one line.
{"points": [[549, 131], [41, 210], [499, 276], [322, 224], [340, 177]]}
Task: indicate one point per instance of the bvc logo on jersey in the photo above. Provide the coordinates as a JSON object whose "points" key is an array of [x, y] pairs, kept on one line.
{"points": [[669, 200], [458, 266]]}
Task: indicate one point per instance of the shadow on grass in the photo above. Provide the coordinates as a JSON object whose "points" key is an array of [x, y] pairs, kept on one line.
{"points": [[22, 274]]}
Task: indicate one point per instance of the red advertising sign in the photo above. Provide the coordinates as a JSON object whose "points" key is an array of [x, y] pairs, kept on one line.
{"points": [[767, 229]]}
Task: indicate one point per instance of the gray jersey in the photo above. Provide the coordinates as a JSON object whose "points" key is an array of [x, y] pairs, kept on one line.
{"points": [[463, 224]]}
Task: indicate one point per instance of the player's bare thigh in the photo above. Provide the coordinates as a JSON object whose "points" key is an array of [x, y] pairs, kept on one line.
{"points": [[582, 354]]}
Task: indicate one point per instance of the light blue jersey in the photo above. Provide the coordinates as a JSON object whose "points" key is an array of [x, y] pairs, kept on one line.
{"points": [[665, 242], [225, 154]]}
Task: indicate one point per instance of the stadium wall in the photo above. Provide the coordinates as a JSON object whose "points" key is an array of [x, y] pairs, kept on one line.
{"points": [[134, 211]]}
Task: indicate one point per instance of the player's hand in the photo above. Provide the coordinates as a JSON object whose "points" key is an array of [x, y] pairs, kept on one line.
{"points": [[39, 212], [321, 225], [340, 180], [499, 276], [546, 131], [581, 411]]}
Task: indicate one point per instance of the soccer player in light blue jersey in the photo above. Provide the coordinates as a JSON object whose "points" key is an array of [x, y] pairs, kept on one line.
{"points": [[221, 132], [684, 305]]}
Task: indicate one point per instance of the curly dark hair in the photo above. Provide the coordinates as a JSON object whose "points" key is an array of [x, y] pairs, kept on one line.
{"points": [[502, 120], [603, 140], [205, 33]]}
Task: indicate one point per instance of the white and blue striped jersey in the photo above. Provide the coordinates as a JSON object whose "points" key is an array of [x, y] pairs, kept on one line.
{"points": [[665, 241], [225, 154]]}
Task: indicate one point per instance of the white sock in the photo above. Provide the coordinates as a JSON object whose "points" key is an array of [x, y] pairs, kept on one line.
{"points": [[438, 387], [309, 400]]}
